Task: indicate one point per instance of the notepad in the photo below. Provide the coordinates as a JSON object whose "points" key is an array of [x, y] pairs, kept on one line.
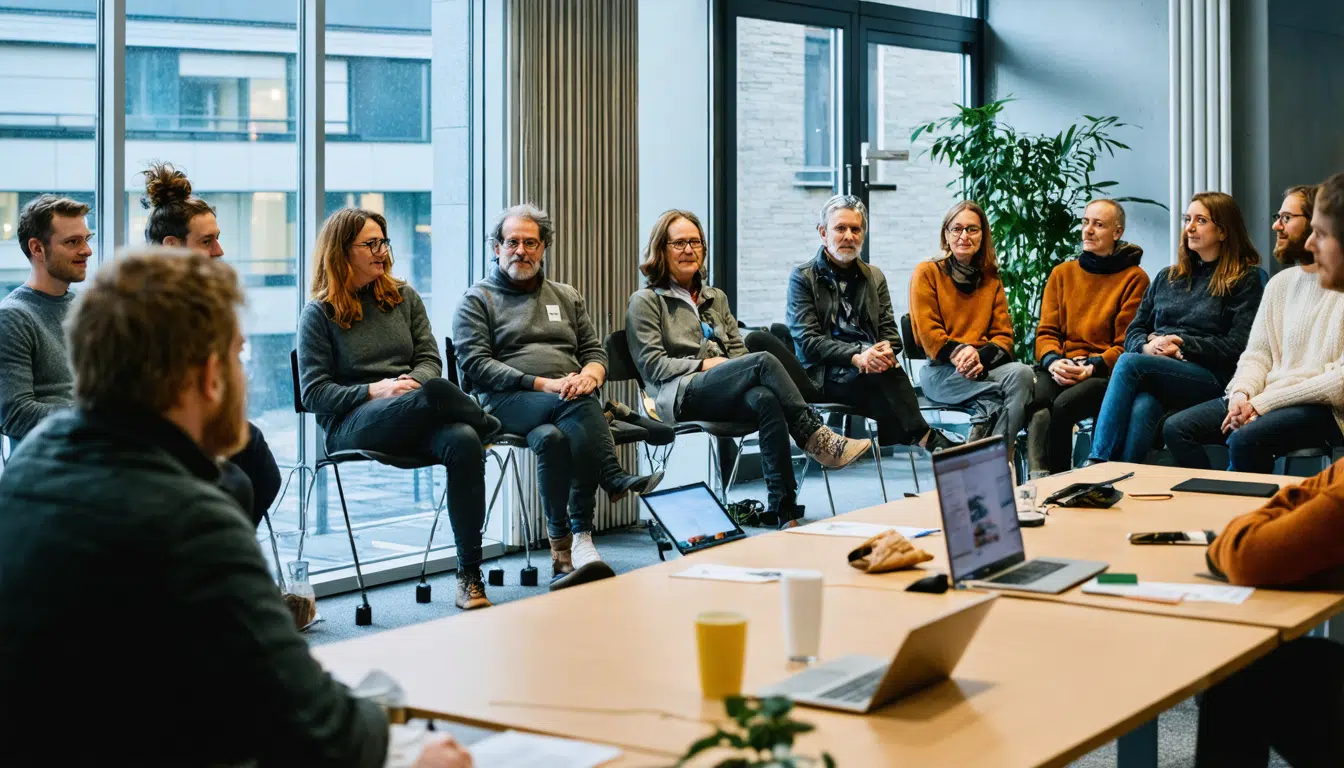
{"points": [[860, 530], [1172, 591], [512, 749], [712, 572]]}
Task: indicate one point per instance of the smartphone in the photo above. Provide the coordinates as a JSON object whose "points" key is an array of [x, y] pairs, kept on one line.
{"points": [[1198, 538]]}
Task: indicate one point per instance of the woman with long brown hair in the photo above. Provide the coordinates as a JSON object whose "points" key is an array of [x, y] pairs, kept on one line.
{"points": [[369, 369], [690, 354], [959, 312], [1182, 346]]}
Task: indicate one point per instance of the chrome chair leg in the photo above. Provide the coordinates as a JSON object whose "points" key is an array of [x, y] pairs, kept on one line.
{"points": [[528, 577], [877, 458], [827, 477], [364, 612], [732, 477]]}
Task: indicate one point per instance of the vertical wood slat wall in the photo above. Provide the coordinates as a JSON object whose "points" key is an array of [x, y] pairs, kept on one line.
{"points": [[573, 152]]}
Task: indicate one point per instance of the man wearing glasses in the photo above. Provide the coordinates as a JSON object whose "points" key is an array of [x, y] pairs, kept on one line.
{"points": [[844, 328], [527, 343], [1288, 389], [35, 375]]}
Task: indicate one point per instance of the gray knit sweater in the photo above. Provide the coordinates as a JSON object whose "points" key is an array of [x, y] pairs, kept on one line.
{"points": [[506, 336], [337, 365], [35, 375]]}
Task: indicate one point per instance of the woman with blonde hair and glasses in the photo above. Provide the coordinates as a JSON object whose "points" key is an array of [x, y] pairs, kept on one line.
{"points": [[959, 312], [369, 369], [689, 352], [1182, 346]]}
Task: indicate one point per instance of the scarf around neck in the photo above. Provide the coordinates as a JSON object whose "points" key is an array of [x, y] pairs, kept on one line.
{"points": [[965, 276]]}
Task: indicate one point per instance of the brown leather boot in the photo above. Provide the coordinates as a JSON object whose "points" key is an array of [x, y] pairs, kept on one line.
{"points": [[562, 560], [470, 589]]}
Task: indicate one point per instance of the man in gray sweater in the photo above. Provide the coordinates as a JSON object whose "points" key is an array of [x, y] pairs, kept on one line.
{"points": [[35, 376], [527, 344]]}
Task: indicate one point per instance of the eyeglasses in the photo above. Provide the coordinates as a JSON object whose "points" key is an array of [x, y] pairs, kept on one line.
{"points": [[529, 244], [1285, 218], [693, 244], [377, 245], [958, 230], [1200, 220]]}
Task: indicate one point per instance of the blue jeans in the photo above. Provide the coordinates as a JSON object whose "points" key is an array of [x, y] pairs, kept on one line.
{"points": [[1253, 447], [1142, 389], [574, 451]]}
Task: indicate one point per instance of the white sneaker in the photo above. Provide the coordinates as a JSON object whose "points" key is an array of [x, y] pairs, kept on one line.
{"points": [[583, 551], [588, 565]]}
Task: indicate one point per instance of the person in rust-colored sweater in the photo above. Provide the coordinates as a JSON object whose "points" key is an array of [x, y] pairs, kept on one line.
{"points": [[1293, 699], [960, 317], [1085, 312]]}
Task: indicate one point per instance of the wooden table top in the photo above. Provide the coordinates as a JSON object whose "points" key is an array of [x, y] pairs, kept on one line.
{"points": [[615, 661]]}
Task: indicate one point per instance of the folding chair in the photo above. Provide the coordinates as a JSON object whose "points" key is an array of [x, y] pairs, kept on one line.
{"points": [[363, 612]]}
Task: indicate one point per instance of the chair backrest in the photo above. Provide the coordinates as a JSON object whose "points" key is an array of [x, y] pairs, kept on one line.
{"points": [[910, 344], [781, 331], [1264, 276], [450, 364], [294, 370], [620, 365]]}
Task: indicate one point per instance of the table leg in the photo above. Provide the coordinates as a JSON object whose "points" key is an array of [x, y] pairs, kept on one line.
{"points": [[1138, 748]]}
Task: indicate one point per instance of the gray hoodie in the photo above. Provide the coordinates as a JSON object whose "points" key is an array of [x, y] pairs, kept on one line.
{"points": [[668, 338], [506, 335]]}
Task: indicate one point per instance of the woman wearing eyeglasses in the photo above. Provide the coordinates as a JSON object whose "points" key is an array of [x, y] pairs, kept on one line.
{"points": [[369, 369], [1288, 390], [959, 312], [1193, 323], [690, 355]]}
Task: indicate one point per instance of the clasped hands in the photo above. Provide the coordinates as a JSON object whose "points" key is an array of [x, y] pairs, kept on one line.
{"points": [[570, 387], [389, 388], [1164, 346], [1068, 372], [876, 359], [1240, 412], [967, 361]]}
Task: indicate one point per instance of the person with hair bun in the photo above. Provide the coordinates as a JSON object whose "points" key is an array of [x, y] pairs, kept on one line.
{"points": [[179, 219]]}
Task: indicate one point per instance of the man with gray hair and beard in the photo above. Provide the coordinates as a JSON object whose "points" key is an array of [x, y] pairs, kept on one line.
{"points": [[526, 342]]}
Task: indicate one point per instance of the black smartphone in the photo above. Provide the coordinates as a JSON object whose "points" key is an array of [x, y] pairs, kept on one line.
{"points": [[1197, 538]]}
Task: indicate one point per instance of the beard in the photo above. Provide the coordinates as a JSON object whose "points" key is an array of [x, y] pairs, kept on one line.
{"points": [[225, 432], [1292, 252], [521, 271], [65, 272]]}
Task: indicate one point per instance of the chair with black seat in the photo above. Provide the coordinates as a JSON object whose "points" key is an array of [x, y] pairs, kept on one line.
{"points": [[847, 414], [363, 612], [618, 356], [911, 350]]}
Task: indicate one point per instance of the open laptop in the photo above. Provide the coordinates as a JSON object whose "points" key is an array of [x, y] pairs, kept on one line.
{"points": [[692, 516], [858, 683], [984, 543]]}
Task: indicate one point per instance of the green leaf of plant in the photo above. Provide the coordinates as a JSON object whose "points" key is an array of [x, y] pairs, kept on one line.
{"points": [[737, 707], [776, 706]]}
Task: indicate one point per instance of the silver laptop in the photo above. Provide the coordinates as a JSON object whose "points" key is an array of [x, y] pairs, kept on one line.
{"points": [[984, 543], [858, 683]]}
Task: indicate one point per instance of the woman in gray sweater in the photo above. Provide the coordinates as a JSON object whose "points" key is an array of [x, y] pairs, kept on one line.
{"points": [[689, 352], [369, 369]]}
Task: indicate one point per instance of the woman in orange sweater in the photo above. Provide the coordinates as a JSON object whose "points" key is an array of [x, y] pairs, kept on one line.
{"points": [[1085, 312], [960, 316]]}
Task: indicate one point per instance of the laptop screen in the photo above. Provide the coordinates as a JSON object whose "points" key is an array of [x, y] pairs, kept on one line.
{"points": [[692, 516], [975, 495]]}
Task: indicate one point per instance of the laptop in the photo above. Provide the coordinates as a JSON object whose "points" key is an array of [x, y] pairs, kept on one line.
{"points": [[858, 683], [692, 516], [984, 542]]}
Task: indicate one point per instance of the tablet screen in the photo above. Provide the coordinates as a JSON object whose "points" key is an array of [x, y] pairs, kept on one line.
{"points": [[692, 516]]}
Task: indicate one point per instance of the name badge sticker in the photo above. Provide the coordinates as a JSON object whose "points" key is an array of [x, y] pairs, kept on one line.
{"points": [[553, 312]]}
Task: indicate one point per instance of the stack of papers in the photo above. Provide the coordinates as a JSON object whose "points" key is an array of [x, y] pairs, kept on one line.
{"points": [[512, 749], [1168, 591], [711, 572], [860, 530]]}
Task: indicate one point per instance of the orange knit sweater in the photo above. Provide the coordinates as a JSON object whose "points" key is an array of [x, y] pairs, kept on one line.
{"points": [[1086, 315], [1294, 537], [943, 316]]}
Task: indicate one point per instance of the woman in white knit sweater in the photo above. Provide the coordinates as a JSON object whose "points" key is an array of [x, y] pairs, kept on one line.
{"points": [[1288, 391]]}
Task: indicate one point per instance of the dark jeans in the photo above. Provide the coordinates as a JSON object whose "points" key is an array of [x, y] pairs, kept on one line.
{"points": [[1142, 389], [437, 421], [258, 465], [755, 388], [889, 399], [574, 450], [1067, 406], [1291, 700], [1253, 447]]}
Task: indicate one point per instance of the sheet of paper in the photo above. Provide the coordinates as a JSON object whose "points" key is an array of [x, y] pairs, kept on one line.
{"points": [[1168, 590], [512, 749], [711, 572], [859, 530]]}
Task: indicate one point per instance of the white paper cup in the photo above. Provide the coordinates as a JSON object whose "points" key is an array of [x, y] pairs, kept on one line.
{"points": [[801, 592]]}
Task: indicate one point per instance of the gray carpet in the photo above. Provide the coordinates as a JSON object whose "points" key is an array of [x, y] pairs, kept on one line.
{"points": [[857, 487]]}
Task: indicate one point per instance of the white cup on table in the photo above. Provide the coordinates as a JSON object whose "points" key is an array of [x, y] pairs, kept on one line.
{"points": [[801, 592]]}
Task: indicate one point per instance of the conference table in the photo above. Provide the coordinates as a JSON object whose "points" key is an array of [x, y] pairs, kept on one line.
{"points": [[1044, 682]]}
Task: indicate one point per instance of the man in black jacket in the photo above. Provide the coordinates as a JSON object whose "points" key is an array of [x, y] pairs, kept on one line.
{"points": [[136, 610], [844, 329]]}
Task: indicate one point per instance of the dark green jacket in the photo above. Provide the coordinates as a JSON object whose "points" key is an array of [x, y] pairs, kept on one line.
{"points": [[139, 624], [811, 313]]}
